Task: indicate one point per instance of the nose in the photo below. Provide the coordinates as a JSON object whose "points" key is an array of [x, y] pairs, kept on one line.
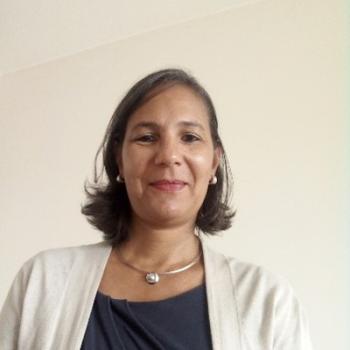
{"points": [[168, 153]]}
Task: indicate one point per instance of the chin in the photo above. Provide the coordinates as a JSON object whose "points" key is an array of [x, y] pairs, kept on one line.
{"points": [[168, 214]]}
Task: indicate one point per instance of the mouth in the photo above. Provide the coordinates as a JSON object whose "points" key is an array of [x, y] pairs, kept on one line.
{"points": [[169, 185]]}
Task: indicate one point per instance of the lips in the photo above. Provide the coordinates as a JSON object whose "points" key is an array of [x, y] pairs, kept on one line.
{"points": [[169, 185]]}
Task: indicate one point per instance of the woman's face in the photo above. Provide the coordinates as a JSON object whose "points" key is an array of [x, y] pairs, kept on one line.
{"points": [[168, 157]]}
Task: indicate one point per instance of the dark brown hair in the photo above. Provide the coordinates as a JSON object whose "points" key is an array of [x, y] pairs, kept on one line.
{"points": [[108, 208]]}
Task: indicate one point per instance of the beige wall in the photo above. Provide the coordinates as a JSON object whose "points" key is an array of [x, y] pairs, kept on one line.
{"points": [[276, 71]]}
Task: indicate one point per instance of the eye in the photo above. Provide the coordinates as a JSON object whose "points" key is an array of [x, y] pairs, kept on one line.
{"points": [[146, 138], [190, 138]]}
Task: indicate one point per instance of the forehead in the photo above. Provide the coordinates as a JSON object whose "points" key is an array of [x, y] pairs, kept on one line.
{"points": [[170, 105]]}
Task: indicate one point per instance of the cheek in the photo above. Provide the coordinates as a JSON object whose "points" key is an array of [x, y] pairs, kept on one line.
{"points": [[133, 163], [135, 169], [201, 166]]}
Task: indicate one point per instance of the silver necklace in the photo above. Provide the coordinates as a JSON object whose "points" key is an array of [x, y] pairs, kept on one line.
{"points": [[154, 277]]}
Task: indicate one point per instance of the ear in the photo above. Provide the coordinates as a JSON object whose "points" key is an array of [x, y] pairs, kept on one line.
{"points": [[217, 158]]}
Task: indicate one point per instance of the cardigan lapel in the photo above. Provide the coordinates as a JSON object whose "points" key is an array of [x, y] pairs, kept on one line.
{"points": [[222, 305], [78, 297]]}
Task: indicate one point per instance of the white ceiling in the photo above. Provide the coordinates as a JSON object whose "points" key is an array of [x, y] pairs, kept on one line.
{"points": [[38, 31]]}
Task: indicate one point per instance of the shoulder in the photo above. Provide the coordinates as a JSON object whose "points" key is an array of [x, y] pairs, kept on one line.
{"points": [[251, 276], [49, 271], [64, 254], [246, 277], [57, 262], [257, 289], [268, 307], [254, 287]]}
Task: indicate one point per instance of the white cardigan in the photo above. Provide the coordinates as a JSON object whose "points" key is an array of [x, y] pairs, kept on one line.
{"points": [[51, 298]]}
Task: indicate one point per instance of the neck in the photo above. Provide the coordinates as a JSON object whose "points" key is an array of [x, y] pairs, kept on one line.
{"points": [[160, 249]]}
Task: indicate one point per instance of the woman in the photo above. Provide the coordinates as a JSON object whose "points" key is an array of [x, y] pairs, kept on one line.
{"points": [[154, 283]]}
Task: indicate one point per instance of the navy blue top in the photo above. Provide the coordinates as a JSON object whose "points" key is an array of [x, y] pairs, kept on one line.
{"points": [[176, 323]]}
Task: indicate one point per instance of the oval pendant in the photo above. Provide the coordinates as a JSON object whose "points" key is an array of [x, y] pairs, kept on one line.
{"points": [[152, 277]]}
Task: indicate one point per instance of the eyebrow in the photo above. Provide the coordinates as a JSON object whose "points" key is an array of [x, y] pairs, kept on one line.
{"points": [[153, 125]]}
